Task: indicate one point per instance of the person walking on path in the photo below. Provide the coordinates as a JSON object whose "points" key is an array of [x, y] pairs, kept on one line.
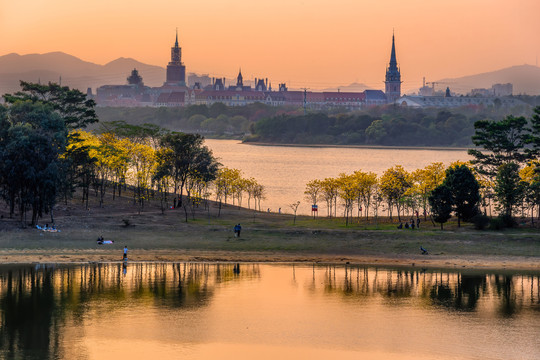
{"points": [[239, 229], [125, 252]]}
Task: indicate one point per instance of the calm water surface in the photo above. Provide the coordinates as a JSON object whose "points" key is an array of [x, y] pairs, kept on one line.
{"points": [[211, 311], [285, 171]]}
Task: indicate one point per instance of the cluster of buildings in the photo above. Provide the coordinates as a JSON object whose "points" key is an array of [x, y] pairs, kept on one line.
{"points": [[500, 95], [177, 92]]}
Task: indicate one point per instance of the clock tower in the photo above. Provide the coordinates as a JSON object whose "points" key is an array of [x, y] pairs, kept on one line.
{"points": [[176, 71]]}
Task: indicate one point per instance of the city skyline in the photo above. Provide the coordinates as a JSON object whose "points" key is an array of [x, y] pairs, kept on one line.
{"points": [[302, 44]]}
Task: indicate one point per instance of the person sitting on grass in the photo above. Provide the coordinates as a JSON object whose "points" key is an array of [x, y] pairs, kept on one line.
{"points": [[400, 226], [424, 251]]}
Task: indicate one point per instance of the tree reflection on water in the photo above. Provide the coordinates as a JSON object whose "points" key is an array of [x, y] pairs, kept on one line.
{"points": [[453, 290], [36, 302]]}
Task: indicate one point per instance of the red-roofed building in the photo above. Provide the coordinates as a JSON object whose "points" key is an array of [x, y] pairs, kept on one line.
{"points": [[229, 97], [172, 99]]}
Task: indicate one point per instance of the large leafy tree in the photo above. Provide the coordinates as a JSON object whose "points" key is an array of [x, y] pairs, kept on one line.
{"points": [[329, 193], [426, 180], [441, 202], [530, 176], [366, 184], [71, 104], [509, 189], [465, 191], [394, 183], [75, 110], [504, 141], [534, 139], [189, 157], [34, 138], [348, 192]]}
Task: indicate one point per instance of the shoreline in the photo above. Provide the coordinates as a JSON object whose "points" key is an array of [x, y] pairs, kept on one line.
{"points": [[380, 147], [456, 263]]}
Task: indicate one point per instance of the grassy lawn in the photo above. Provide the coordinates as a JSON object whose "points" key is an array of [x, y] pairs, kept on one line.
{"points": [[262, 232]]}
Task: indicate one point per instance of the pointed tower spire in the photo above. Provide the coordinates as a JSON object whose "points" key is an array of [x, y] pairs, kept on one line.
{"points": [[393, 76], [240, 79], [176, 43], [393, 61]]}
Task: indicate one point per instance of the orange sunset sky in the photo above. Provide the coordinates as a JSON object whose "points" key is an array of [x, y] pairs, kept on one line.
{"points": [[312, 43]]}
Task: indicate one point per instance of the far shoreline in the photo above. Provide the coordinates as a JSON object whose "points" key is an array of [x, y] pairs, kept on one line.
{"points": [[379, 147]]}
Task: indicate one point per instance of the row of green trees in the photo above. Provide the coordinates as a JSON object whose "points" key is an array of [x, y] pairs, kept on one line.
{"points": [[231, 185], [365, 193], [389, 125], [505, 173], [215, 120], [45, 155]]}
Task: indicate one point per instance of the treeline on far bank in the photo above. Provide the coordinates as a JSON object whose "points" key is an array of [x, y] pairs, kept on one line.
{"points": [[387, 126], [380, 125], [217, 120]]}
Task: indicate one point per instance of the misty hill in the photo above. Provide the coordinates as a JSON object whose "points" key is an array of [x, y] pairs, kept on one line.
{"points": [[525, 78], [75, 72], [354, 87]]}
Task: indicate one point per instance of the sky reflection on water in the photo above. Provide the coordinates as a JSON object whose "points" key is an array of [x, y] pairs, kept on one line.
{"points": [[285, 170], [189, 310]]}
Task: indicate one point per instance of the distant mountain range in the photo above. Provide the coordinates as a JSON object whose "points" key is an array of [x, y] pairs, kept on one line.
{"points": [[525, 78], [81, 74], [75, 72]]}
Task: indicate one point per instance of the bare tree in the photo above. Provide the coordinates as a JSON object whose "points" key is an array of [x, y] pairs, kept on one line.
{"points": [[294, 207]]}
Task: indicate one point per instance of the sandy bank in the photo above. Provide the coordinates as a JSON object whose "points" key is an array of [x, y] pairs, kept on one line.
{"points": [[477, 262]]}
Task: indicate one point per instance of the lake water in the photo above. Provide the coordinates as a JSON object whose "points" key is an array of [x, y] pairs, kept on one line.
{"points": [[265, 311], [285, 170]]}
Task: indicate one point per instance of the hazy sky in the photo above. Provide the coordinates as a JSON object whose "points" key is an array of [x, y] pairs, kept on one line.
{"points": [[313, 43]]}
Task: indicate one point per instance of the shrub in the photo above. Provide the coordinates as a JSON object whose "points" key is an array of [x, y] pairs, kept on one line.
{"points": [[480, 221], [496, 224], [508, 221]]}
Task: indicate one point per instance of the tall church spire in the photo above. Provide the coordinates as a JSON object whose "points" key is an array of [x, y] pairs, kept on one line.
{"points": [[393, 61], [393, 76]]}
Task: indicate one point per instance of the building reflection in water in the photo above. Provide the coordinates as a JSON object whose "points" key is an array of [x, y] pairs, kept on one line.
{"points": [[36, 302]]}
